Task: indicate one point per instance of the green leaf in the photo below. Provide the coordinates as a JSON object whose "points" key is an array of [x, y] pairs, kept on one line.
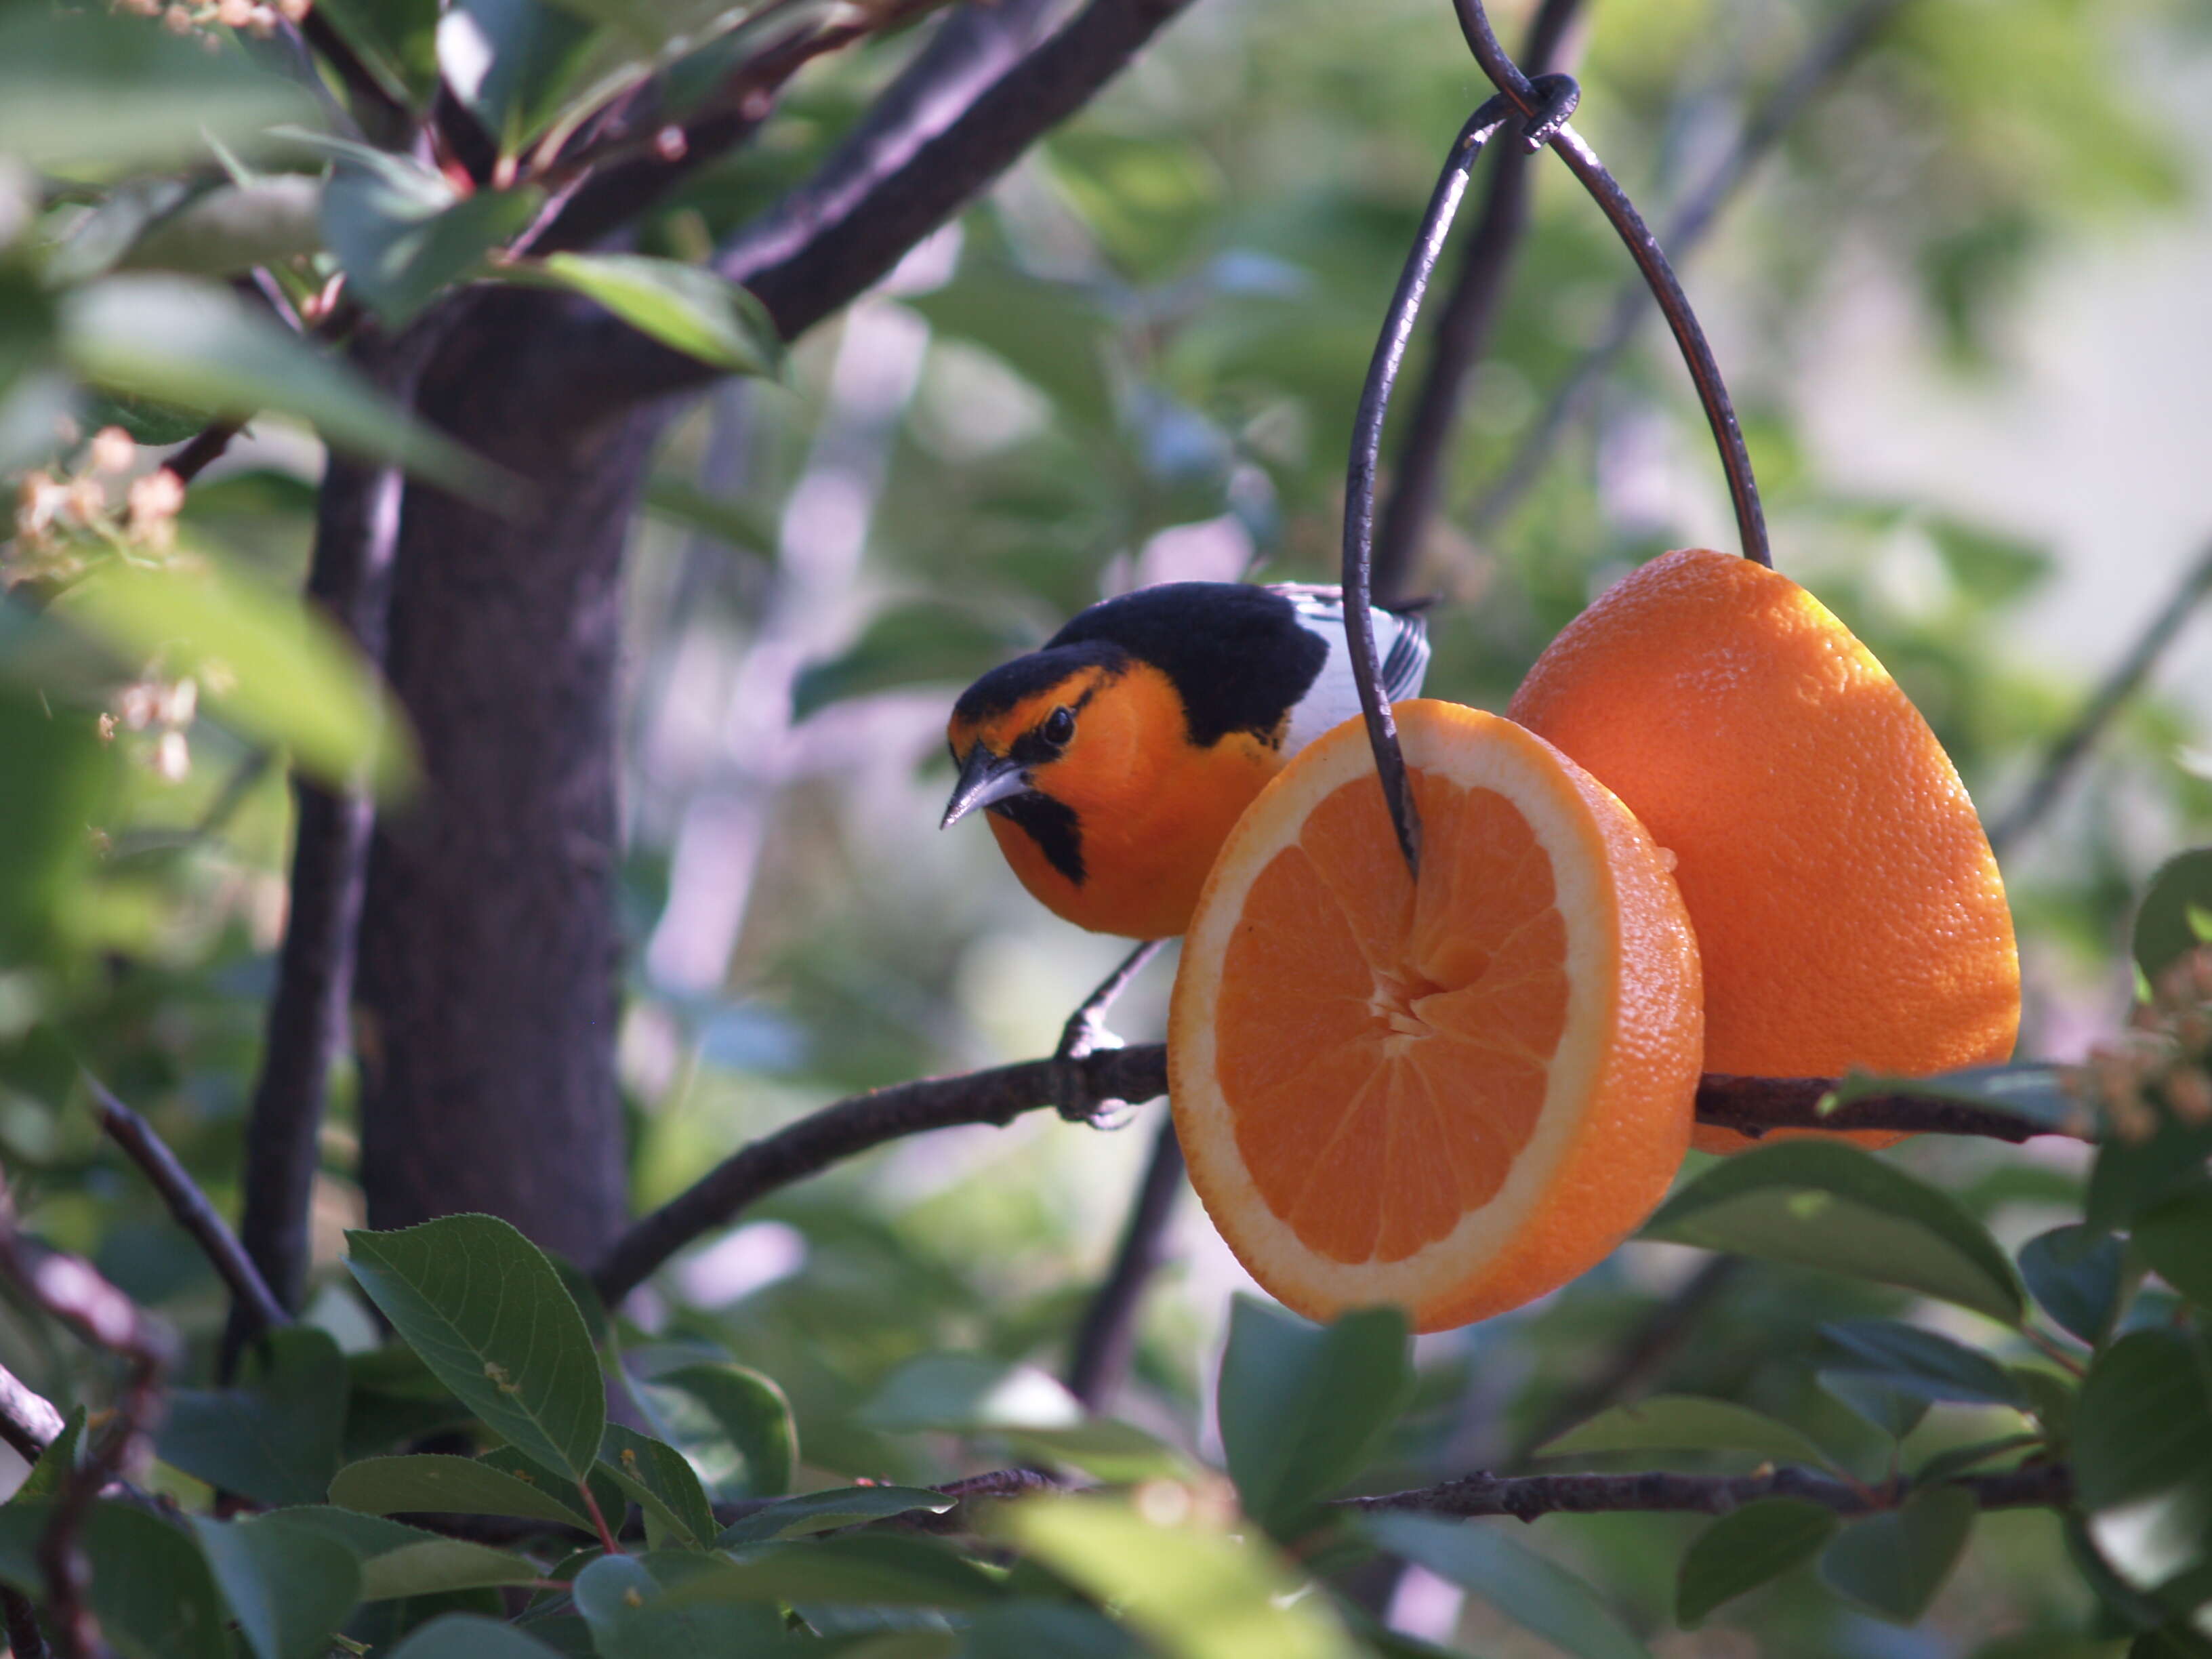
{"points": [[1681, 1422], [2132, 1176], [2176, 1239], [1920, 1363], [2142, 1466], [2050, 1398], [1893, 1564], [926, 643], [2075, 1274], [183, 341], [830, 1510], [643, 1608], [2165, 930], [439, 1565], [96, 87], [1152, 199], [1191, 1594], [1034, 1630], [490, 1316], [690, 308], [56, 774], [58, 1459], [435, 1485], [147, 421], [1114, 1452], [272, 1437], [1894, 1412], [1827, 1204], [401, 230], [611, 1497], [734, 1424], [735, 523], [1301, 1405], [273, 666], [400, 254], [467, 1636], [513, 63], [151, 1588], [869, 1568], [655, 1474], [967, 1393], [288, 1587], [1052, 334], [1524, 1586], [1959, 1459], [230, 229], [399, 1560], [1749, 1547]]}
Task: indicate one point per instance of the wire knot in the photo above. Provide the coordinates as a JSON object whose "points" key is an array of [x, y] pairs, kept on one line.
{"points": [[1558, 95]]}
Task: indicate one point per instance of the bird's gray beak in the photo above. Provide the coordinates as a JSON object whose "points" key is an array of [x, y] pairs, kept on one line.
{"points": [[984, 777]]}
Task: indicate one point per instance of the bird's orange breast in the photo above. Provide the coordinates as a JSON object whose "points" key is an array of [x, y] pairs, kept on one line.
{"points": [[1150, 809]]}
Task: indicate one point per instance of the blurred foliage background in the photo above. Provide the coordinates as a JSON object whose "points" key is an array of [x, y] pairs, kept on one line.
{"points": [[1961, 306]]}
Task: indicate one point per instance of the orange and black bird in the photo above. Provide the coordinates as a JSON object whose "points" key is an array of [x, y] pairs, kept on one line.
{"points": [[1114, 761]]}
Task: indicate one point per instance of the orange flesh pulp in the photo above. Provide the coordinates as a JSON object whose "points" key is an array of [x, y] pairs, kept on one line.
{"points": [[1384, 1052]]}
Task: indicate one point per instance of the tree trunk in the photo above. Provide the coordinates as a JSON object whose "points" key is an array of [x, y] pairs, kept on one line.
{"points": [[488, 948]]}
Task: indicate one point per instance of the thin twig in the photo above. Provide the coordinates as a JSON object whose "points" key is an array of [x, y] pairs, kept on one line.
{"points": [[67, 1288], [29, 1420], [25, 1640], [187, 1202], [1107, 1336], [636, 158], [972, 104], [349, 577], [1658, 276], [859, 1124], [205, 448], [1752, 1105], [2035, 1486], [1461, 332], [1825, 59], [2066, 756], [854, 1125]]}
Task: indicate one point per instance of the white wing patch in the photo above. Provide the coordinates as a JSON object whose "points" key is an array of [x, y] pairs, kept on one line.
{"points": [[1401, 642]]}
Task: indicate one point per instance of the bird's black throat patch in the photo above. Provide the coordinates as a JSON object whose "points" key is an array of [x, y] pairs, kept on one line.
{"points": [[1051, 824]]}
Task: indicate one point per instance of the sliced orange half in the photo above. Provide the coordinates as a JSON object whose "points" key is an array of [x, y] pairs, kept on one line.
{"points": [[1454, 1096]]}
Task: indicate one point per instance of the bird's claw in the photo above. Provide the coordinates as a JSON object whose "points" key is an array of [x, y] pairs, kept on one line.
{"points": [[1085, 1036]]}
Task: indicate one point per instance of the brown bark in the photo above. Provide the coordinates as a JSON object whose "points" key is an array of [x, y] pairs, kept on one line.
{"points": [[489, 950]]}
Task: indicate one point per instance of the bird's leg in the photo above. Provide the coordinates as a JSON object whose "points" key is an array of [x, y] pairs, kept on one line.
{"points": [[1085, 1034]]}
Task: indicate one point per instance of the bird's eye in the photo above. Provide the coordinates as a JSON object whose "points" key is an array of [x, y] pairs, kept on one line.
{"points": [[1059, 727]]}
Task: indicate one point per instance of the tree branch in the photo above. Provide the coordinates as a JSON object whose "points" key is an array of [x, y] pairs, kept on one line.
{"points": [[1750, 1105], [28, 1421], [2066, 756], [1461, 332], [854, 1125], [188, 1203], [637, 157], [356, 533], [1107, 1336], [68, 1289], [25, 1640], [2035, 1485], [1828, 56], [963, 113]]}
